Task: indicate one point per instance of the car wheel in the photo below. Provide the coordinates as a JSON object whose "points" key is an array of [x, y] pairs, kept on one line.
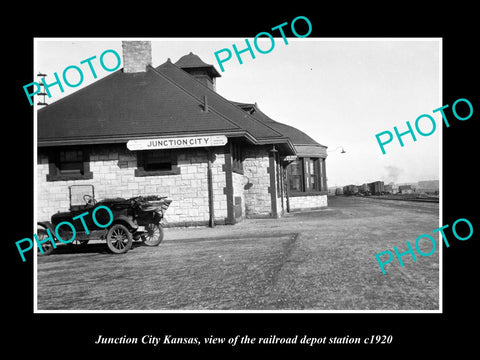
{"points": [[154, 235], [47, 247], [119, 239]]}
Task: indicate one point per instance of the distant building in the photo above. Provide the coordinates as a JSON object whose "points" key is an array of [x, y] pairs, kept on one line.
{"points": [[428, 187], [405, 189], [392, 188]]}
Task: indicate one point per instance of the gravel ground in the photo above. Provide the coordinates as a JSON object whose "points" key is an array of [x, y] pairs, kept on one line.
{"points": [[319, 260]]}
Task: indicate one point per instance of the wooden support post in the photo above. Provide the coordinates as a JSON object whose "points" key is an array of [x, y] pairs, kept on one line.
{"points": [[211, 208]]}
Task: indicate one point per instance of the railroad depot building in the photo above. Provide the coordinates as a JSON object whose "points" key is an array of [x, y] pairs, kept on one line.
{"points": [[165, 131]]}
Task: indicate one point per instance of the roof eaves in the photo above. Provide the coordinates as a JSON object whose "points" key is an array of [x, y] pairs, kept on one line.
{"points": [[255, 107], [284, 140], [126, 137]]}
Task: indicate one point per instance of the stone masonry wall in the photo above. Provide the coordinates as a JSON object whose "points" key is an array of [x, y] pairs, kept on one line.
{"points": [[257, 197], [238, 189], [307, 202], [113, 168]]}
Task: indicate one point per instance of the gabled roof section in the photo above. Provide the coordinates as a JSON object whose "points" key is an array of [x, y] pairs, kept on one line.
{"points": [[163, 101], [261, 131], [304, 144], [124, 106]]}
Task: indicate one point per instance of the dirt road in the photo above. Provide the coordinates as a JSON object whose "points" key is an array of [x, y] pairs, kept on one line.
{"points": [[319, 260]]}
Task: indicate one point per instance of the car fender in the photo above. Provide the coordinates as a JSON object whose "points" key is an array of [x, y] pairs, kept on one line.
{"points": [[125, 220], [47, 225]]}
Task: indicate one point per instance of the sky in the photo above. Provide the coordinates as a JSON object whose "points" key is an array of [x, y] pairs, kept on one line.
{"points": [[341, 92]]}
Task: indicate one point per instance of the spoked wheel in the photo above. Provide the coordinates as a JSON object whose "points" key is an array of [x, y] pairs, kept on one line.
{"points": [[154, 235], [47, 247], [119, 239]]}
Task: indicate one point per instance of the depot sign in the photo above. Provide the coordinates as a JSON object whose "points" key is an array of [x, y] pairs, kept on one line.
{"points": [[177, 142]]}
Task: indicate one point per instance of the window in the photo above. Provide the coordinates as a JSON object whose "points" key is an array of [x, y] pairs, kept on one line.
{"points": [[156, 162], [69, 164], [306, 175], [295, 175], [237, 158], [312, 174]]}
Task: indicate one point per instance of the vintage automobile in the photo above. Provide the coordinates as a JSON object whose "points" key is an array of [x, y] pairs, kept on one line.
{"points": [[135, 219]]}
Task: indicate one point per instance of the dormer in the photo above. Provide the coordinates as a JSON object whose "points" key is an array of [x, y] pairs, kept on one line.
{"points": [[204, 72]]}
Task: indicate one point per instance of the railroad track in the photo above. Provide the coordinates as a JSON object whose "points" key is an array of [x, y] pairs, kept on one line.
{"points": [[432, 200]]}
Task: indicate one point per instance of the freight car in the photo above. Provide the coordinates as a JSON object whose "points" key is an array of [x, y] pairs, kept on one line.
{"points": [[377, 188], [350, 190], [364, 189]]}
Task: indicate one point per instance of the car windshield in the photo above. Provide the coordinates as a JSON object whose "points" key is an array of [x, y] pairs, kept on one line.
{"points": [[80, 194]]}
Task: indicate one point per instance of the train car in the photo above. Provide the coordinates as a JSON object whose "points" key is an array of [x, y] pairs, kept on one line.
{"points": [[364, 189], [377, 187], [350, 190]]}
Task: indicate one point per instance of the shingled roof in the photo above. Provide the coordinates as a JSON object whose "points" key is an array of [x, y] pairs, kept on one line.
{"points": [[163, 101], [261, 131], [124, 106], [304, 144], [191, 61]]}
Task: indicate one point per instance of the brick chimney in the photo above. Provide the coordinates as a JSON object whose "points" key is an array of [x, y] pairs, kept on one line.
{"points": [[136, 56]]}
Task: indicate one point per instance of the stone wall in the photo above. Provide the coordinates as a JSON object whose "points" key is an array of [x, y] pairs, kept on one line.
{"points": [[307, 202], [257, 178], [239, 192], [113, 168]]}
